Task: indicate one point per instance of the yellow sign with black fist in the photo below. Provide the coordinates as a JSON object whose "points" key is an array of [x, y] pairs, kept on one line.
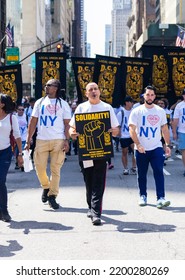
{"points": [[95, 140]]}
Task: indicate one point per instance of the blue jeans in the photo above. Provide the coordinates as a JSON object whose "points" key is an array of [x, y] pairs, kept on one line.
{"points": [[156, 158], [5, 161]]}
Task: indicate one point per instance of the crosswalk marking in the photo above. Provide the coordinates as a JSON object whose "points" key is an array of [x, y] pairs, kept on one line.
{"points": [[179, 156], [166, 172]]}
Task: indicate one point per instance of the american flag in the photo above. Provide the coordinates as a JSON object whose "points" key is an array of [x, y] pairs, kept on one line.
{"points": [[8, 32], [180, 41]]}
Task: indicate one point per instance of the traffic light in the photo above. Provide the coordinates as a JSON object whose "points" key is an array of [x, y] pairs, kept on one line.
{"points": [[66, 49], [58, 48]]}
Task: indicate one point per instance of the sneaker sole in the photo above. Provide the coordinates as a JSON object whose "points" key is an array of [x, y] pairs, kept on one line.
{"points": [[142, 204], [54, 208], [97, 222], [160, 206]]}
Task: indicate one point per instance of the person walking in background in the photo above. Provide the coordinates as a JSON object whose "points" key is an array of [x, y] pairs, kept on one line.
{"points": [[7, 107], [23, 127], [125, 139], [28, 112], [178, 127], [163, 104], [146, 122], [51, 114], [95, 174], [116, 139], [73, 143]]}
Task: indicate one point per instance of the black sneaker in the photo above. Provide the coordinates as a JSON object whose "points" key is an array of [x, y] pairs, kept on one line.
{"points": [[96, 221], [17, 167], [5, 216], [44, 196], [52, 202]]}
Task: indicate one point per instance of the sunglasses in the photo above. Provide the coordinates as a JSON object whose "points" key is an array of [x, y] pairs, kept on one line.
{"points": [[20, 109]]}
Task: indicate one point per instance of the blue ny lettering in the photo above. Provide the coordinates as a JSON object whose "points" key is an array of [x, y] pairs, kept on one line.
{"points": [[46, 120]]}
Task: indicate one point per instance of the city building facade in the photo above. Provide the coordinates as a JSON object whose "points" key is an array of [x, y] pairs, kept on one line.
{"points": [[39, 25], [120, 14]]}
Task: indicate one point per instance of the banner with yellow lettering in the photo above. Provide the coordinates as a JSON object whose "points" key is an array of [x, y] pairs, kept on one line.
{"points": [[11, 82], [176, 65], [160, 71], [94, 140], [49, 66], [107, 74], [83, 70], [136, 75]]}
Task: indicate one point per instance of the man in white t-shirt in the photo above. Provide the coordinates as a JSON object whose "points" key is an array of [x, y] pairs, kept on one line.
{"points": [[51, 115], [146, 122], [125, 139], [178, 125], [95, 173]]}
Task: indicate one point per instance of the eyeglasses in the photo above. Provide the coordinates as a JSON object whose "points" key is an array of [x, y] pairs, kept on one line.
{"points": [[50, 85]]}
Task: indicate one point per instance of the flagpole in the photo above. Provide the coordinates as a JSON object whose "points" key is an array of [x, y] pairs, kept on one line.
{"points": [[0, 46]]}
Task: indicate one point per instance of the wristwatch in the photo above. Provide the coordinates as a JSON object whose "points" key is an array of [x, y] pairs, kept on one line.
{"points": [[169, 146], [20, 154]]}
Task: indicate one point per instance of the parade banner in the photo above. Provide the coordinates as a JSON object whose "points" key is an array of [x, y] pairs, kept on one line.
{"points": [[11, 82], [176, 64], [49, 66], [160, 71], [83, 70], [136, 75], [107, 74], [94, 140]]}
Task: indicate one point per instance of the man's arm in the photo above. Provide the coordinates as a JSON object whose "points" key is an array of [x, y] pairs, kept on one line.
{"points": [[115, 131], [31, 129], [174, 128], [166, 134], [133, 135], [66, 129]]}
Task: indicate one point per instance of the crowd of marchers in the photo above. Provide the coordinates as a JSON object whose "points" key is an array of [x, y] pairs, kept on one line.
{"points": [[47, 127]]}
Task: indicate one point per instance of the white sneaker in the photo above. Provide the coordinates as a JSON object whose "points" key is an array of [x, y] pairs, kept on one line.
{"points": [[143, 200], [126, 171], [162, 202], [133, 171]]}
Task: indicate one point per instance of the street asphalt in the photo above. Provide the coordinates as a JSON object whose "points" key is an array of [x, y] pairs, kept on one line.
{"points": [[128, 231]]}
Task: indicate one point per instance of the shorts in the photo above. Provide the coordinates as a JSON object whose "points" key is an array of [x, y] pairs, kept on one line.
{"points": [[181, 141], [126, 142]]}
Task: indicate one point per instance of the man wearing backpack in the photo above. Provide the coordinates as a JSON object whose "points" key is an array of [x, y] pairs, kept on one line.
{"points": [[51, 115]]}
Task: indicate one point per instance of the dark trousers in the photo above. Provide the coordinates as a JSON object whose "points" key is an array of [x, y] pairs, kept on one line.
{"points": [[5, 161], [94, 178], [156, 158]]}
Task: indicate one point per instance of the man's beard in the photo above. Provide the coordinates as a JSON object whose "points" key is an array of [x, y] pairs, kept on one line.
{"points": [[149, 103]]}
